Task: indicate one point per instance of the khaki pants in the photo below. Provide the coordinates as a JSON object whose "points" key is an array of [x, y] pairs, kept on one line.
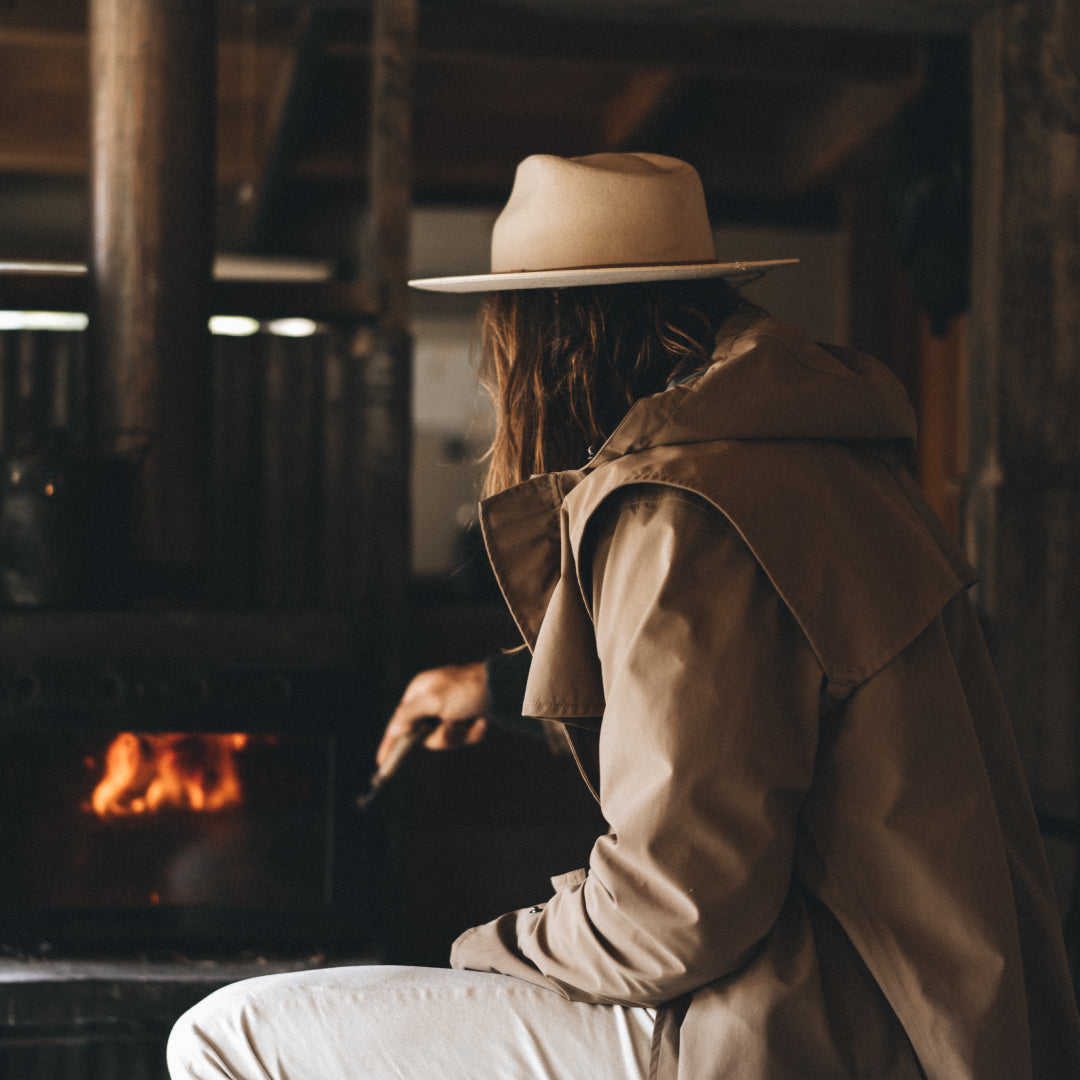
{"points": [[405, 1023]]}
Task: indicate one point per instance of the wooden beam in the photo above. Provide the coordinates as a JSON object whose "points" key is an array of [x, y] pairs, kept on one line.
{"points": [[254, 77], [29, 16], [339, 302], [905, 16], [761, 51], [1022, 514], [385, 357], [42, 38], [36, 291], [152, 169], [43, 122], [642, 99], [286, 116], [386, 247], [843, 119]]}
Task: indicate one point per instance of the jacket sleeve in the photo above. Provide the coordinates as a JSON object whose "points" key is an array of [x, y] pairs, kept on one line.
{"points": [[706, 750], [505, 676]]}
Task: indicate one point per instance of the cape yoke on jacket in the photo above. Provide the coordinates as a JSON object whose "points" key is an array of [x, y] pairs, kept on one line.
{"points": [[822, 858]]}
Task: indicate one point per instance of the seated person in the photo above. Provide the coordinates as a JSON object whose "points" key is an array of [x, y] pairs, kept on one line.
{"points": [[822, 861]]}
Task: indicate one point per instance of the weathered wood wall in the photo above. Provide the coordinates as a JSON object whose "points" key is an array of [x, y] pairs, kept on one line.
{"points": [[386, 393], [1023, 504], [293, 422], [43, 388]]}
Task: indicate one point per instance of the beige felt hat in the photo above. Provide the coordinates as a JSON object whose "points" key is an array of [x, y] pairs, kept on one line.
{"points": [[604, 219]]}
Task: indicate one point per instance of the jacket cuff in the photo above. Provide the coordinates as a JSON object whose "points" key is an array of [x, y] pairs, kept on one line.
{"points": [[493, 947]]}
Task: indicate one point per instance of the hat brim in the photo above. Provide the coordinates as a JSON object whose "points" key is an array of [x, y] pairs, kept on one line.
{"points": [[595, 275]]}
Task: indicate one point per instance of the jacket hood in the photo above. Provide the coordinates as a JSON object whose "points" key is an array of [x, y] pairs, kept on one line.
{"points": [[775, 430], [768, 381]]}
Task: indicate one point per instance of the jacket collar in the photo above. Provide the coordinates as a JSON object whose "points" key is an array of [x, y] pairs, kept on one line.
{"points": [[767, 382], [523, 534]]}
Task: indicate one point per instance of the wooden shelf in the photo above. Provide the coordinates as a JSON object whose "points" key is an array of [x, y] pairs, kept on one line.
{"points": [[333, 301], [323, 639]]}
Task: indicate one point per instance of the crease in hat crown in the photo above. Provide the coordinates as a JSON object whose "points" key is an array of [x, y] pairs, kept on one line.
{"points": [[600, 219], [602, 210]]}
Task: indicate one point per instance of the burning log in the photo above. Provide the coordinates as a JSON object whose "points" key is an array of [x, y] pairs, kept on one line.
{"points": [[145, 773]]}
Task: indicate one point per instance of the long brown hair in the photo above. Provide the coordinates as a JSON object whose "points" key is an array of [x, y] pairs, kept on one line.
{"points": [[564, 366]]}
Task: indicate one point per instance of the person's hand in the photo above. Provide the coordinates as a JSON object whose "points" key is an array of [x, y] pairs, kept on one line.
{"points": [[455, 695]]}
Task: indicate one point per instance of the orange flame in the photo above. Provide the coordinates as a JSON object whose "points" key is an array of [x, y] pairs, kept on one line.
{"points": [[144, 773]]}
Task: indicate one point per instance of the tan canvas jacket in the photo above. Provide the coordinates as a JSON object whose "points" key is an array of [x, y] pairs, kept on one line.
{"points": [[822, 859]]}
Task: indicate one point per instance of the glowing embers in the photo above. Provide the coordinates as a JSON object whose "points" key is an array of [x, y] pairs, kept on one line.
{"points": [[149, 772]]}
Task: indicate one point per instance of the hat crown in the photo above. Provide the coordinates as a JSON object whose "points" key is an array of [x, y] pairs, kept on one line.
{"points": [[602, 210]]}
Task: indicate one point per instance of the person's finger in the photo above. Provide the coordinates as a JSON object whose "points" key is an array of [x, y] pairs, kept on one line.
{"points": [[454, 695], [449, 736]]}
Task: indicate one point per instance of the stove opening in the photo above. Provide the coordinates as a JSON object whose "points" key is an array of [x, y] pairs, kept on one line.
{"points": [[123, 823]]}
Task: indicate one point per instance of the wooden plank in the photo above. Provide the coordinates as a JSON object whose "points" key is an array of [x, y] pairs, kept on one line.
{"points": [[386, 372], [1022, 517], [254, 76], [942, 420], [750, 49], [908, 16], [641, 100], [285, 112], [333, 301], [390, 158], [299, 639], [386, 453], [21, 291], [237, 472], [343, 557], [290, 487], [843, 119], [42, 389], [43, 123]]}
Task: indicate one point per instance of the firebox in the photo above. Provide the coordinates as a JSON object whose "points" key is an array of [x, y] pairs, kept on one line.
{"points": [[179, 819], [186, 804]]}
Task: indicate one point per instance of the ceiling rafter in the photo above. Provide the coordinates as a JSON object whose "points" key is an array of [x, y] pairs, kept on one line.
{"points": [[842, 121], [286, 106], [637, 105], [764, 111]]}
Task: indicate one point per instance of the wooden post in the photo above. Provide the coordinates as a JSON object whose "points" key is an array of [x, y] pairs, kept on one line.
{"points": [[152, 77], [386, 355], [390, 157], [1022, 518]]}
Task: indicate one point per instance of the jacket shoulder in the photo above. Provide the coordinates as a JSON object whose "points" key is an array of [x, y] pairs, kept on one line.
{"points": [[843, 534]]}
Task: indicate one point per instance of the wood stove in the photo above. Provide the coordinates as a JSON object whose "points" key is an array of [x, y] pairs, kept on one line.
{"points": [[288, 633], [271, 639], [199, 804]]}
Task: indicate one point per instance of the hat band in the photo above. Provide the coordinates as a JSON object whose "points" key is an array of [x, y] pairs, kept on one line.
{"points": [[612, 266]]}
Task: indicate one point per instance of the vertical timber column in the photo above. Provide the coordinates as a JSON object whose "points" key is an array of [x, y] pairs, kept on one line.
{"points": [[152, 78], [1023, 507], [387, 381]]}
